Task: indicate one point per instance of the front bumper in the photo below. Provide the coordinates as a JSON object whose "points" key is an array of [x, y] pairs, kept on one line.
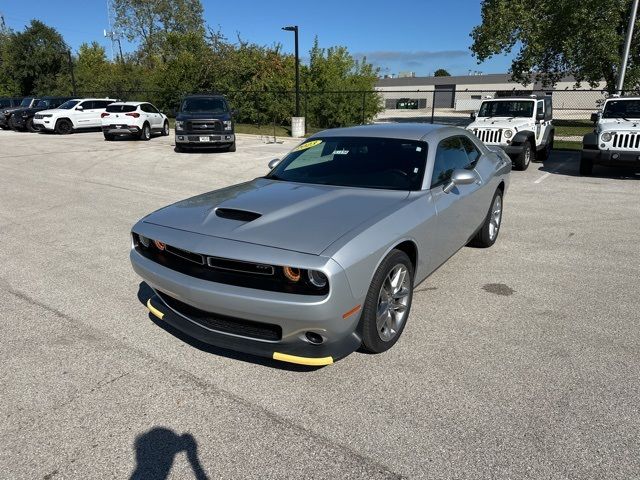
{"points": [[44, 123], [614, 158], [4, 121], [204, 139], [294, 314]]}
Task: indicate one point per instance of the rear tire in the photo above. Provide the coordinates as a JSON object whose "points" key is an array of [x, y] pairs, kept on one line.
{"points": [[165, 129], [31, 127], [488, 233], [525, 157], [586, 166], [145, 133], [64, 127], [545, 153], [388, 303]]}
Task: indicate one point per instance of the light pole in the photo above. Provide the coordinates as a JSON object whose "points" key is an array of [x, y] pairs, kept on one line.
{"points": [[627, 46], [294, 29]]}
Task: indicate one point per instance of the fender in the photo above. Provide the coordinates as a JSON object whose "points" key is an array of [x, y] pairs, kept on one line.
{"points": [[590, 141], [520, 138], [547, 134]]}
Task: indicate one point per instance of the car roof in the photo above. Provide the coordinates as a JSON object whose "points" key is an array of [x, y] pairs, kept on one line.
{"points": [[407, 131], [504, 99], [129, 103], [622, 98], [85, 99], [203, 95]]}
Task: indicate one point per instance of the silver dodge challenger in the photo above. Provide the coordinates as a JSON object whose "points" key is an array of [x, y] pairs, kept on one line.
{"points": [[320, 257]]}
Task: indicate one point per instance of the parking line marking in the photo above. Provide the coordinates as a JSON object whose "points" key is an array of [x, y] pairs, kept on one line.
{"points": [[542, 177], [555, 170]]}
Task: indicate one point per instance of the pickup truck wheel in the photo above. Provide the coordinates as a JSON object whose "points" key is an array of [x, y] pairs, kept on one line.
{"points": [[64, 127], [488, 233], [232, 147], [145, 133], [109, 137], [388, 302], [165, 129], [525, 157], [586, 166]]}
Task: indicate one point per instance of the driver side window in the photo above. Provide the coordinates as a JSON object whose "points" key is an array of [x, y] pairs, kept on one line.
{"points": [[450, 155]]}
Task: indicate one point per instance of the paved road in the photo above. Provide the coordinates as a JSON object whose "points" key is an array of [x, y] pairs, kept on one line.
{"points": [[521, 361]]}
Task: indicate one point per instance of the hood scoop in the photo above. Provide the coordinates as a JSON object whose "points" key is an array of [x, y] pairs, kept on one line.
{"points": [[235, 214]]}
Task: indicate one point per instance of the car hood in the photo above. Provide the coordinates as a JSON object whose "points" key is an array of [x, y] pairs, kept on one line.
{"points": [[501, 122], [203, 116], [616, 124], [301, 217]]}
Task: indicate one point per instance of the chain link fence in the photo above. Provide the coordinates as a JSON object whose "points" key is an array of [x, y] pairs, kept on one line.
{"points": [[268, 112]]}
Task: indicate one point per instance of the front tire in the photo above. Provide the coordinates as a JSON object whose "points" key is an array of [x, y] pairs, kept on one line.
{"points": [[109, 137], [232, 147], [145, 133], [388, 303], [488, 233], [525, 157], [64, 127], [586, 166]]}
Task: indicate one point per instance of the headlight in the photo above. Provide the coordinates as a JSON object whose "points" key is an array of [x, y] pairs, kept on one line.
{"points": [[606, 137], [179, 125], [144, 241], [227, 124], [317, 279], [508, 133]]}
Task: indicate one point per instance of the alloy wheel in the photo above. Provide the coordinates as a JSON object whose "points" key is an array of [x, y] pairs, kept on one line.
{"points": [[496, 218], [393, 301]]}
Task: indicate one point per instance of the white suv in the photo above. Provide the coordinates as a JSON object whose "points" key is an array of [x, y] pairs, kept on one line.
{"points": [[616, 139], [133, 118], [521, 126], [72, 115]]}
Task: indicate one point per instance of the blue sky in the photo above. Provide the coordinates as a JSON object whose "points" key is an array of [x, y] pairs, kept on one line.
{"points": [[403, 35]]}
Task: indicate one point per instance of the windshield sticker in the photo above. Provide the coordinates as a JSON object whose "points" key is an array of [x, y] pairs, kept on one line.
{"points": [[341, 152], [307, 145]]}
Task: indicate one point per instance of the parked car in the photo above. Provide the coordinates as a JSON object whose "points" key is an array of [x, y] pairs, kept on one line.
{"points": [[140, 119], [521, 126], [6, 113], [205, 121], [6, 103], [615, 140], [22, 118], [76, 114], [321, 255]]}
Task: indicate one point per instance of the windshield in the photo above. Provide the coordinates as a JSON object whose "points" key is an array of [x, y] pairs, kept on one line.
{"points": [[121, 108], [209, 105], [69, 104], [26, 102], [621, 109], [364, 162], [506, 109]]}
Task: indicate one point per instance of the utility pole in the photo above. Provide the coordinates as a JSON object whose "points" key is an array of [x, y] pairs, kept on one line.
{"points": [[294, 29], [73, 77], [627, 46]]}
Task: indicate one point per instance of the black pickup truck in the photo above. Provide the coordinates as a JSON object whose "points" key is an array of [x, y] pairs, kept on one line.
{"points": [[205, 121], [22, 118]]}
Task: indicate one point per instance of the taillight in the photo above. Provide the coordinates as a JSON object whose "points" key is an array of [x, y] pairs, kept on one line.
{"points": [[104, 114], [134, 114]]}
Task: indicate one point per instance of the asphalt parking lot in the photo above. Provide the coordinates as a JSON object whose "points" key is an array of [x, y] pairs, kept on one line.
{"points": [[520, 361]]}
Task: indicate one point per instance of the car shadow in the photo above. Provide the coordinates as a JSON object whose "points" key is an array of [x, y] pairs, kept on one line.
{"points": [[156, 451], [145, 292], [567, 162]]}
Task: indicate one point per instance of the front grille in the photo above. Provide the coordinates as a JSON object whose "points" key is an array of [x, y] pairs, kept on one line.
{"points": [[628, 141], [223, 323], [38, 116], [205, 126], [489, 135]]}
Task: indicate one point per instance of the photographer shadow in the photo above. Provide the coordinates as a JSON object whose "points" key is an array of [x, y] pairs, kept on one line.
{"points": [[156, 451]]}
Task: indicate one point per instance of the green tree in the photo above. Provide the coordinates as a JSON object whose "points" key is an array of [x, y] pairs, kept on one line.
{"points": [[441, 72], [554, 38], [338, 85], [150, 21], [36, 59]]}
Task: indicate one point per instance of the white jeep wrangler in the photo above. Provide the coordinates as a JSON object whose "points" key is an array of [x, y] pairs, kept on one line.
{"points": [[521, 126], [615, 140]]}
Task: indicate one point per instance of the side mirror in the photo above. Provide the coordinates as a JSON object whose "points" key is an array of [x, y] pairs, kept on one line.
{"points": [[595, 117], [540, 116], [460, 177], [274, 163], [80, 108], [473, 115]]}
